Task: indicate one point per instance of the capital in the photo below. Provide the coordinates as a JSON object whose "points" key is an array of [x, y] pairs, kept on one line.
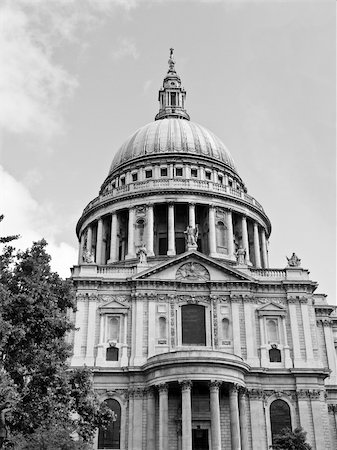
{"points": [[185, 385], [214, 385], [162, 388]]}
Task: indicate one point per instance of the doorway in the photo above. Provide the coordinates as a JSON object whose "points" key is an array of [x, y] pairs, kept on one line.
{"points": [[200, 439]]}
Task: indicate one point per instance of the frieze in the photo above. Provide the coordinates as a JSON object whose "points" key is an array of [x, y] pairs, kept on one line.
{"points": [[136, 392], [257, 394], [192, 298], [88, 297], [312, 394], [192, 272], [111, 298]]}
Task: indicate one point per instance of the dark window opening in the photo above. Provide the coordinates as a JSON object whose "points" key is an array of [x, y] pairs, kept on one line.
{"points": [[134, 176], [193, 325], [279, 417], [113, 185], [194, 173], [220, 179], [162, 246], [200, 439], [148, 173], [230, 183], [110, 437], [122, 181], [274, 355], [208, 175], [173, 99], [163, 172], [112, 354], [180, 245], [179, 172]]}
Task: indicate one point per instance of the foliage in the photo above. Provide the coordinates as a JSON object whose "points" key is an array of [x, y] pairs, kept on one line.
{"points": [[291, 440], [47, 401], [6, 239]]}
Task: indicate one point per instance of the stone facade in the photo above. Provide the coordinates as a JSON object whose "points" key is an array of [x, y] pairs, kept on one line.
{"points": [[200, 344]]}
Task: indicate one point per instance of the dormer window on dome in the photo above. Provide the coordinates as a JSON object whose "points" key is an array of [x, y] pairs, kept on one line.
{"points": [[172, 95]]}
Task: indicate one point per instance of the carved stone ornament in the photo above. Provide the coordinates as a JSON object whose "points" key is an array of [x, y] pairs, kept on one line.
{"points": [[294, 261], [111, 298], [185, 385], [192, 272], [214, 384], [332, 408], [256, 394], [140, 210], [163, 387]]}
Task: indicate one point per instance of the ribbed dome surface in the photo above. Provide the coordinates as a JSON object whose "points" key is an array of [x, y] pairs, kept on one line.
{"points": [[172, 136]]}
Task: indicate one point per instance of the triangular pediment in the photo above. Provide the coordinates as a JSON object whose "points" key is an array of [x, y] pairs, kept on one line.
{"points": [[271, 309], [193, 267], [113, 305]]}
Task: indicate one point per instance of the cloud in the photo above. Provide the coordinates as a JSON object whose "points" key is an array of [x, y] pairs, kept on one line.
{"points": [[125, 47], [24, 216]]}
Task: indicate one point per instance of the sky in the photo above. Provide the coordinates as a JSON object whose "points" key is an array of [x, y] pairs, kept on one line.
{"points": [[79, 76]]}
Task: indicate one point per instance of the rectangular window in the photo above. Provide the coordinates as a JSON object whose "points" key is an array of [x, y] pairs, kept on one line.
{"points": [[230, 183], [193, 325], [148, 173], [134, 176], [173, 99], [194, 173], [220, 179], [179, 171], [208, 175], [163, 172], [122, 181]]}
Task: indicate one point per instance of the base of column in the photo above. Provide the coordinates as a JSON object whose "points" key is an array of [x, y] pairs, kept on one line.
{"points": [[171, 253]]}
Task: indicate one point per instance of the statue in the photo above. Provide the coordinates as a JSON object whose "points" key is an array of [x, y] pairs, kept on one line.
{"points": [[293, 261], [191, 237], [142, 254], [241, 255], [88, 257]]}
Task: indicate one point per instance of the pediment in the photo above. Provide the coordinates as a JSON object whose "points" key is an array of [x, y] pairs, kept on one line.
{"points": [[271, 309], [113, 306], [193, 267]]}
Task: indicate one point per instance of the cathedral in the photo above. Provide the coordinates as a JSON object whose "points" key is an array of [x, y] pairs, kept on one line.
{"points": [[195, 343]]}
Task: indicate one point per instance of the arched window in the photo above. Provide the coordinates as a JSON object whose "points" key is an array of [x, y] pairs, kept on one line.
{"points": [[110, 438], [226, 329], [140, 224], [272, 329], [279, 417], [221, 235], [113, 329], [162, 328], [193, 325]]}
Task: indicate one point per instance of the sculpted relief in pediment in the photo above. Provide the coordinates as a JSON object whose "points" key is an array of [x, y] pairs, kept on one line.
{"points": [[192, 271]]}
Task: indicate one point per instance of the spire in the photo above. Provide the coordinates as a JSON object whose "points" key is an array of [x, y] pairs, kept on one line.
{"points": [[172, 95]]}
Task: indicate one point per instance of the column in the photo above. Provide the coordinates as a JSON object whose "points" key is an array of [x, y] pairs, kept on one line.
{"points": [[150, 231], [215, 414], [113, 238], [236, 326], [163, 416], [304, 407], [191, 215], [230, 234], [307, 332], [170, 232], [186, 414], [234, 417], [89, 239], [243, 419], [138, 331], [294, 333], [91, 331], [138, 419], [257, 418], [131, 238], [151, 420], [264, 249], [99, 241], [81, 248], [79, 328], [211, 232], [330, 350], [257, 246], [245, 243], [319, 420], [131, 418], [250, 318]]}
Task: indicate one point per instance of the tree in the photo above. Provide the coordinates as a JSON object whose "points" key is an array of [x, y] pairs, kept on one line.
{"points": [[291, 440], [45, 398]]}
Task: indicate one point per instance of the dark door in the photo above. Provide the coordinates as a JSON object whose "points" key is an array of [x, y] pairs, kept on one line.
{"points": [[200, 439]]}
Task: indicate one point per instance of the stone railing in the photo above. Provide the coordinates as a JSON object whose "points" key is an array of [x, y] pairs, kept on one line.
{"points": [[268, 273], [174, 184], [112, 270]]}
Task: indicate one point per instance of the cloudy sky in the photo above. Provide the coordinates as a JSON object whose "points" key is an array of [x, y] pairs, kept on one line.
{"points": [[79, 76]]}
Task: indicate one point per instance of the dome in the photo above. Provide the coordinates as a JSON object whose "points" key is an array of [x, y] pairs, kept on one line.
{"points": [[172, 135]]}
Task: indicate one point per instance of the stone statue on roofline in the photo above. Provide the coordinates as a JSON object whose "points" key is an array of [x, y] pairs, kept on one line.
{"points": [[142, 254], [88, 257], [241, 255], [191, 237], [294, 261]]}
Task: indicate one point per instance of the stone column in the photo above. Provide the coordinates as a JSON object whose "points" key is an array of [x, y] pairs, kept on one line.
{"points": [[150, 231], [215, 414], [171, 232], [304, 409], [81, 248], [264, 249], [243, 419], [163, 416], [89, 239], [236, 326], [244, 230], [230, 234], [307, 332], [257, 417], [191, 214], [234, 417], [211, 232], [99, 241], [295, 333], [89, 357], [113, 238], [151, 420], [186, 414], [257, 252], [131, 235], [330, 350], [138, 419], [131, 418]]}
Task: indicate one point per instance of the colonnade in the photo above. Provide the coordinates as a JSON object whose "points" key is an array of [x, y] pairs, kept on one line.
{"points": [[258, 245], [238, 417]]}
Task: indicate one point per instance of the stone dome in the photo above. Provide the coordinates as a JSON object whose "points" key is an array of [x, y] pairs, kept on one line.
{"points": [[172, 135]]}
